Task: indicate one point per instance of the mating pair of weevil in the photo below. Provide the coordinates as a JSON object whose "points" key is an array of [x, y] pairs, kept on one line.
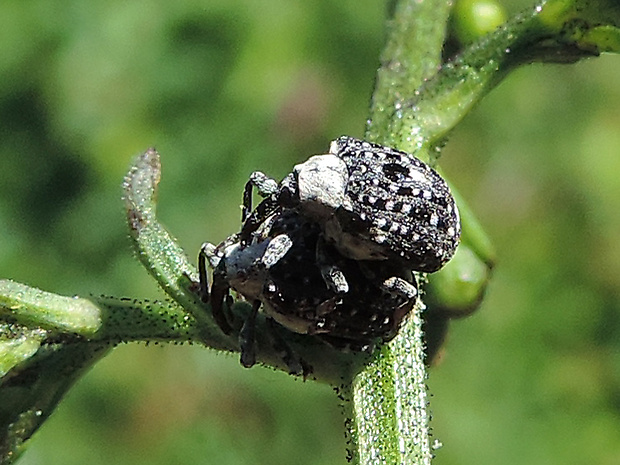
{"points": [[330, 251]]}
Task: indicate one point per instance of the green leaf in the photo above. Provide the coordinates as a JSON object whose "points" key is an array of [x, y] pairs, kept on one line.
{"points": [[32, 388]]}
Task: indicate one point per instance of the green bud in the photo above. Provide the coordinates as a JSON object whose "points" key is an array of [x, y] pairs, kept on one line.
{"points": [[456, 290], [472, 19]]}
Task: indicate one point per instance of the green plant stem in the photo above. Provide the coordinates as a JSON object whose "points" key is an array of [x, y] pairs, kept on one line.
{"points": [[412, 53], [37, 387], [389, 405], [558, 31], [156, 249], [389, 419], [48, 311], [104, 319]]}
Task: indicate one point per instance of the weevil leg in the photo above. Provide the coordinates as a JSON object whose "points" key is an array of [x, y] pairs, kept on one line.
{"points": [[203, 256], [400, 288], [256, 218], [246, 208], [266, 187], [247, 337], [331, 273], [407, 294], [219, 295], [219, 289]]}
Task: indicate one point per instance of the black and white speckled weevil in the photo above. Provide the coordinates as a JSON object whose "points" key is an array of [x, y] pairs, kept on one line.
{"points": [[372, 202], [330, 250], [307, 286]]}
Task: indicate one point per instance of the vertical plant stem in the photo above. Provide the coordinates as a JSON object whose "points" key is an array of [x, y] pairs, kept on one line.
{"points": [[412, 54], [388, 412], [389, 405]]}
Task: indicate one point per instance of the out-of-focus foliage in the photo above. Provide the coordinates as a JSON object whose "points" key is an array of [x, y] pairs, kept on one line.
{"points": [[474, 18], [225, 87]]}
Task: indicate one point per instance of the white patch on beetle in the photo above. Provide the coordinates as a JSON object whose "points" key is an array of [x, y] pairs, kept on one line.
{"points": [[321, 184]]}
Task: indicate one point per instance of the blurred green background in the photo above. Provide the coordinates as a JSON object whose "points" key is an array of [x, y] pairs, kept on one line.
{"points": [[223, 87]]}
